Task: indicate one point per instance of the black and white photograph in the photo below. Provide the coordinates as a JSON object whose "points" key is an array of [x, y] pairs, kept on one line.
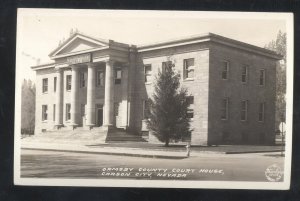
{"points": [[167, 99]]}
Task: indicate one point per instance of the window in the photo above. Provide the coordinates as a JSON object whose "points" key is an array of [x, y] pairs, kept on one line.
{"points": [[188, 65], [68, 111], [262, 77], [190, 111], [45, 85], [82, 109], [148, 72], [53, 112], [165, 65], [224, 109], [118, 75], [225, 70], [68, 84], [261, 112], [55, 81], [100, 78], [116, 109], [82, 79], [44, 112], [244, 74], [146, 109], [244, 110]]}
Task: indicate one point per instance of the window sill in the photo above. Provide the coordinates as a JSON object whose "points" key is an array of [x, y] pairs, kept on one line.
{"points": [[224, 119], [44, 121], [46, 92], [148, 83]]}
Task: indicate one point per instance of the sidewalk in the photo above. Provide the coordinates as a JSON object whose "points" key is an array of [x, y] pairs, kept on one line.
{"points": [[148, 150]]}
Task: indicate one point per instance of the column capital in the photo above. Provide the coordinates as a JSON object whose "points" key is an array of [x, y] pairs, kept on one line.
{"points": [[110, 62], [74, 67], [91, 65]]}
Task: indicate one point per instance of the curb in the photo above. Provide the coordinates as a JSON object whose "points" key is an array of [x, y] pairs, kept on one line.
{"points": [[108, 153]]}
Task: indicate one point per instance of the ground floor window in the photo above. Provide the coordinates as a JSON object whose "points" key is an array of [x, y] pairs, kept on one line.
{"points": [[146, 109], [82, 110], [44, 112], [68, 111], [116, 109]]}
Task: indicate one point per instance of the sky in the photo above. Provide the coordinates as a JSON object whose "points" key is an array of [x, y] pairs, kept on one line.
{"points": [[40, 30]]}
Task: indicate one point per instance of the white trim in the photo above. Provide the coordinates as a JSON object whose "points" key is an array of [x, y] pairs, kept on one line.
{"points": [[79, 52]]}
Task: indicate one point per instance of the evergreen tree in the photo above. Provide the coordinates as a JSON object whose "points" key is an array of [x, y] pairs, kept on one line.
{"points": [[279, 46], [28, 107], [167, 116]]}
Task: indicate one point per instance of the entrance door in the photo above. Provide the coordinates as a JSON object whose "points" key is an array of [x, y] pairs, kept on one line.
{"points": [[99, 117]]}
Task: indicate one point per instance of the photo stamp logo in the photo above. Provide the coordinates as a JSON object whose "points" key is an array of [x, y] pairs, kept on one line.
{"points": [[273, 173]]}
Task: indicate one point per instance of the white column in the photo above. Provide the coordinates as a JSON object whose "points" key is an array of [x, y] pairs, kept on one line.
{"points": [[74, 96], [90, 107], [59, 98], [109, 94]]}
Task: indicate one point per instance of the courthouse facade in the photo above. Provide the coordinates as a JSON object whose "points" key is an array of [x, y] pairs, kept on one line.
{"points": [[103, 83]]}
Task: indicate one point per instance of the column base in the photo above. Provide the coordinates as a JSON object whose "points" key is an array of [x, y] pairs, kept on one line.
{"points": [[90, 126], [58, 126], [74, 126], [108, 127]]}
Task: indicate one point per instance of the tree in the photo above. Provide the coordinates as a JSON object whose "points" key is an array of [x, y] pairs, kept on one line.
{"points": [[279, 46], [167, 116], [28, 107]]}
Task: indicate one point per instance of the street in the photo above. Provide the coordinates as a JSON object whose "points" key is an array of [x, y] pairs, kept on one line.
{"points": [[222, 167]]}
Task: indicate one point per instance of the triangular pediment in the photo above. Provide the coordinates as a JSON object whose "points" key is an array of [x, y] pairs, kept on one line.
{"points": [[78, 43]]}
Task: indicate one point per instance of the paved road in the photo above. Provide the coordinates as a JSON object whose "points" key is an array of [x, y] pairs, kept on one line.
{"points": [[56, 164]]}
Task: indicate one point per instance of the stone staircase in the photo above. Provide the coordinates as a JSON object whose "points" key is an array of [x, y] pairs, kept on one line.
{"points": [[69, 136], [116, 135], [84, 136]]}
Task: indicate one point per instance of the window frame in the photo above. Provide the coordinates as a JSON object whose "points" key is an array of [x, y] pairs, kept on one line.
{"points": [[190, 110], [68, 111], [45, 85], [246, 74], [146, 110], [166, 64], [261, 112], [263, 78], [82, 77], [225, 71], [68, 82], [186, 69], [100, 82], [44, 112], [147, 74], [118, 80], [244, 110], [226, 109]]}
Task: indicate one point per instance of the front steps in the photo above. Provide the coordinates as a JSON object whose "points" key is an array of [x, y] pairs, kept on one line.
{"points": [[116, 135], [84, 136]]}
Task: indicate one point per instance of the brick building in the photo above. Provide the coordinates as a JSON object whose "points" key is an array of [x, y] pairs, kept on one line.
{"points": [[103, 83]]}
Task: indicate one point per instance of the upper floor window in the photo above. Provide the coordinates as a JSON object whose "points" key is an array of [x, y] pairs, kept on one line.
{"points": [[262, 77], [82, 79], [68, 82], [225, 70], [55, 81], [244, 74], [100, 78], [68, 111], [118, 75], [224, 109], [244, 110], [45, 85], [148, 72], [261, 112], [190, 111], [44, 112], [165, 65], [188, 68]]}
